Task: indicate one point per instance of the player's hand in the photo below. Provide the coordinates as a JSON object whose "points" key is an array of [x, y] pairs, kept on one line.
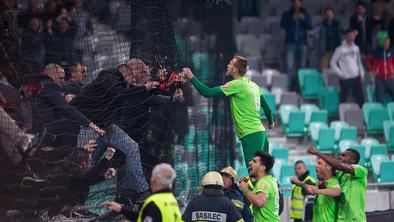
{"points": [[111, 205], [294, 180], [151, 85], [90, 146], [188, 73], [98, 130], [178, 96], [312, 150], [243, 185], [111, 173], [311, 189]]}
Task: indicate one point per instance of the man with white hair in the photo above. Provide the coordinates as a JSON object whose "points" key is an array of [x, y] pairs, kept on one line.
{"points": [[161, 205]]}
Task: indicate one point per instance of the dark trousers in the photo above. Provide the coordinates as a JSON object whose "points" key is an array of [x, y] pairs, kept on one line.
{"points": [[382, 87], [353, 86]]}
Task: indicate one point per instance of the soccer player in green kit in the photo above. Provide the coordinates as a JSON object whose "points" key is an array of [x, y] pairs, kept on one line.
{"points": [[245, 102], [325, 207], [353, 180]]}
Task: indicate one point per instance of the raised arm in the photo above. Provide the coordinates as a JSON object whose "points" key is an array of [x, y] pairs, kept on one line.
{"points": [[267, 111], [347, 168]]}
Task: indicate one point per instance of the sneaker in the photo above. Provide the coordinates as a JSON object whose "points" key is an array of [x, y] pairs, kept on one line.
{"points": [[35, 141]]}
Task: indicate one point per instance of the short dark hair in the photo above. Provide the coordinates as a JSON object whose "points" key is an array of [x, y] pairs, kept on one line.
{"points": [[361, 3], [328, 9], [266, 159], [298, 162], [355, 155], [241, 64]]}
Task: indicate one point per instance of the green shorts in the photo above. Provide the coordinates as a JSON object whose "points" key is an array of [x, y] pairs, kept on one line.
{"points": [[252, 143]]}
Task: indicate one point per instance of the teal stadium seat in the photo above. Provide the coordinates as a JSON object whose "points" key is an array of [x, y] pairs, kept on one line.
{"points": [[329, 100], [374, 116], [337, 126], [388, 127], [311, 82]]}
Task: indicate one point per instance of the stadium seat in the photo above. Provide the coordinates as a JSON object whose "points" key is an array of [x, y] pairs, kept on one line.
{"points": [[379, 149], [386, 172], [306, 159], [312, 170], [311, 83], [289, 98], [352, 114], [308, 109], [281, 153], [284, 112], [243, 171], [279, 81], [331, 79], [376, 161], [276, 169], [269, 73], [348, 133], [296, 125], [274, 145], [368, 143], [329, 100], [270, 98], [371, 95], [319, 116], [374, 115], [313, 130], [261, 81], [390, 110], [338, 125], [346, 144], [286, 172], [388, 127], [326, 141]]}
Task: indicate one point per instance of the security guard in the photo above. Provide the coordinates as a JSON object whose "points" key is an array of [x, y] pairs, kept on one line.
{"points": [[232, 191], [161, 205], [211, 205], [298, 193]]}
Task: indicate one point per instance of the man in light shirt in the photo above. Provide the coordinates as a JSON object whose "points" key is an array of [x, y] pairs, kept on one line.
{"points": [[346, 62]]}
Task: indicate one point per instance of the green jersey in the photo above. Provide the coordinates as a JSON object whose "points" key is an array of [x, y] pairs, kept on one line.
{"points": [[270, 211], [245, 105], [325, 208], [354, 188]]}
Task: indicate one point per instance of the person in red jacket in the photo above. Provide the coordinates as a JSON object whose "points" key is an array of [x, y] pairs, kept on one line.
{"points": [[380, 62]]}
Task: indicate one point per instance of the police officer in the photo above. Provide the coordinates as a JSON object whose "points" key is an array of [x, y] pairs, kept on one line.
{"points": [[232, 191], [211, 204], [298, 193], [161, 205]]}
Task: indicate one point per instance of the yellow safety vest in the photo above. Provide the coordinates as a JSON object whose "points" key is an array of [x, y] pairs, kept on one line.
{"points": [[297, 200], [167, 205]]}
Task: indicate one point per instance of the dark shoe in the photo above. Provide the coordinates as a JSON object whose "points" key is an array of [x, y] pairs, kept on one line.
{"points": [[35, 142]]}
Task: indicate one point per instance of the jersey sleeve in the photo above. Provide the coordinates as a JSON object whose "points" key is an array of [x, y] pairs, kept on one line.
{"points": [[333, 183], [231, 88], [359, 171], [262, 187]]}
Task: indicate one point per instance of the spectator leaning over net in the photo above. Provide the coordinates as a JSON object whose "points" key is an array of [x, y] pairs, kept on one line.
{"points": [[232, 191], [298, 193], [346, 62], [325, 207], [330, 38], [78, 76], [246, 99], [296, 22], [161, 205], [211, 204], [265, 194], [353, 180], [380, 62]]}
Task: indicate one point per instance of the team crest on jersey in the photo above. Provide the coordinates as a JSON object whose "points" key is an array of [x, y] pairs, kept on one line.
{"points": [[262, 186]]}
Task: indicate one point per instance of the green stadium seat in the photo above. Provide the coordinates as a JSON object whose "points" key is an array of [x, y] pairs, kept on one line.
{"points": [[346, 144], [296, 125], [376, 161], [273, 146], [348, 133], [371, 95], [284, 112], [368, 142], [243, 171], [374, 115], [392, 157], [319, 116], [361, 150], [390, 110], [329, 100], [313, 130], [286, 172], [312, 170], [308, 109], [386, 172], [270, 98], [281, 153], [388, 127], [277, 167], [311, 82], [380, 149], [338, 125], [326, 141]]}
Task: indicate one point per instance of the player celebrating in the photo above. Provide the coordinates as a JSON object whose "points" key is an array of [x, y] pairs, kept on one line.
{"points": [[245, 102]]}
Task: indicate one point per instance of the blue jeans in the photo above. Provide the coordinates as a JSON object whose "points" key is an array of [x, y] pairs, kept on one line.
{"points": [[295, 59], [130, 179]]}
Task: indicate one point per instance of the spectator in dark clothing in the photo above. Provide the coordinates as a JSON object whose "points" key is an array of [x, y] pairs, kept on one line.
{"points": [[77, 80], [330, 38], [390, 30], [296, 22], [366, 27], [33, 45], [80, 18], [61, 119], [381, 64]]}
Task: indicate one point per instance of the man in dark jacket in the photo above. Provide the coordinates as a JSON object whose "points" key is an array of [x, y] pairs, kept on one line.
{"points": [[296, 22], [232, 191], [381, 64], [77, 79]]}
